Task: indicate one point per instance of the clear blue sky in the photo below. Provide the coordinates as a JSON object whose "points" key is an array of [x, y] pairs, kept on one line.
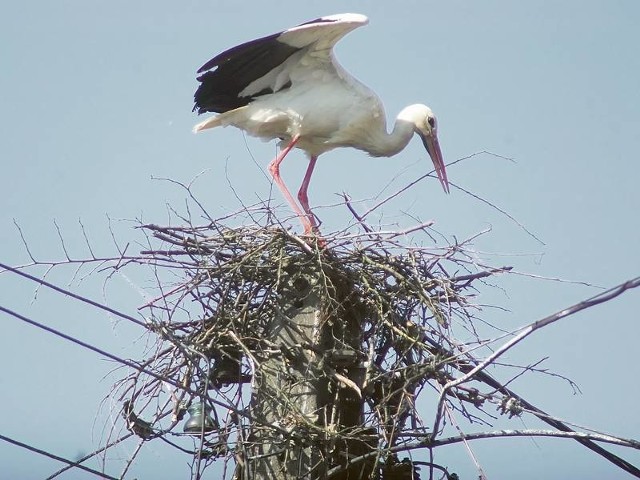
{"points": [[96, 97]]}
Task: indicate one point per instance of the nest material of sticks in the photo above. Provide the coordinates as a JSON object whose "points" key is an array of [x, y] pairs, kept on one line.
{"points": [[381, 332]]}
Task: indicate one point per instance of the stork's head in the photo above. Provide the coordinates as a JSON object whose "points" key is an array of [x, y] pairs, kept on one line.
{"points": [[426, 126]]}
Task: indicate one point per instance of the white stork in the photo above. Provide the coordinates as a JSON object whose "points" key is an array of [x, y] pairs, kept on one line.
{"points": [[290, 86]]}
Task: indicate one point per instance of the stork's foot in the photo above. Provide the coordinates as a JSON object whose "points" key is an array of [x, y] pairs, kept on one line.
{"points": [[311, 223], [312, 230], [314, 237]]}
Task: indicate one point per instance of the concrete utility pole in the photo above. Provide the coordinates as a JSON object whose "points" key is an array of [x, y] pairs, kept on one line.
{"points": [[298, 388]]}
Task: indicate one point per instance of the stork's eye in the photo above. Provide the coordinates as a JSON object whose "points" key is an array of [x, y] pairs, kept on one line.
{"points": [[432, 122]]}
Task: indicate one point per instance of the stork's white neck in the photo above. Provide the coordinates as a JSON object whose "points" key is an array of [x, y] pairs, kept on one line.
{"points": [[389, 144]]}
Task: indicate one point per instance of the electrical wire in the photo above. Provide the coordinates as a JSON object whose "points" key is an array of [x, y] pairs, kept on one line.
{"points": [[72, 295], [56, 457]]}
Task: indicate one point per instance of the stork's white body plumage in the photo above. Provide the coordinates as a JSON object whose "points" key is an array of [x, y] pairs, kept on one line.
{"points": [[289, 86]]}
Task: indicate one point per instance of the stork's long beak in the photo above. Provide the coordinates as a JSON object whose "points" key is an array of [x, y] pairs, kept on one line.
{"points": [[430, 141]]}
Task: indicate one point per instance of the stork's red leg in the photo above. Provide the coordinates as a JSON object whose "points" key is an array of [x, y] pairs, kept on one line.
{"points": [[303, 196], [274, 169]]}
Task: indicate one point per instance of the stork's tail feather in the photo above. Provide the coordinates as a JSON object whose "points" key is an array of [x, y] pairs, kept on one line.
{"points": [[208, 123]]}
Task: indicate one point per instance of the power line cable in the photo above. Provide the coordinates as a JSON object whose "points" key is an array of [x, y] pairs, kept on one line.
{"points": [[73, 295], [56, 457]]}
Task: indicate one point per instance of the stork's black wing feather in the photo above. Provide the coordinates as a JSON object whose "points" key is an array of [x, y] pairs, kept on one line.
{"points": [[235, 69]]}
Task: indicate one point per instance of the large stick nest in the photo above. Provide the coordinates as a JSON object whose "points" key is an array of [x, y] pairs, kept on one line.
{"points": [[383, 331]]}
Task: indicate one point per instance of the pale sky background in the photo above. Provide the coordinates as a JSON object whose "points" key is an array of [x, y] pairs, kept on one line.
{"points": [[96, 98]]}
